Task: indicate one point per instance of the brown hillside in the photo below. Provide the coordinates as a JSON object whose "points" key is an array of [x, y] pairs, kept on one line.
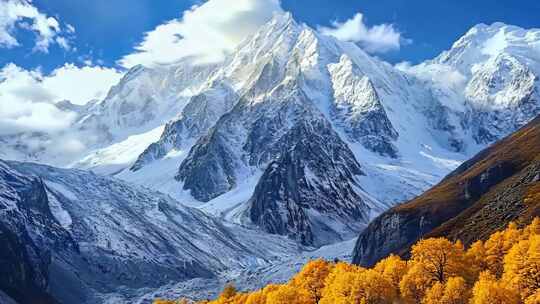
{"points": [[498, 185]]}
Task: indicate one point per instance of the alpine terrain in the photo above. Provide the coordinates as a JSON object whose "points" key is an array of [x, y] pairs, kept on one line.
{"points": [[244, 169], [498, 185]]}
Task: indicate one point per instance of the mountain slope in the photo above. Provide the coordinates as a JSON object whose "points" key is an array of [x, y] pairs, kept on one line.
{"points": [[496, 186], [84, 236], [24, 257], [199, 115], [288, 78]]}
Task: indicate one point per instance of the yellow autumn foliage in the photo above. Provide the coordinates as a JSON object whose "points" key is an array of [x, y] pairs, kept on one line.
{"points": [[489, 290], [505, 269], [454, 291]]}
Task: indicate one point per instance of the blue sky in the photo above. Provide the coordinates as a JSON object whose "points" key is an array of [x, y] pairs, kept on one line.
{"points": [[107, 30], [433, 25]]}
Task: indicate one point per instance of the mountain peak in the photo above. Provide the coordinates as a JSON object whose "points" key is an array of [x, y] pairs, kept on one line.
{"points": [[282, 18], [488, 27], [279, 22], [483, 42]]}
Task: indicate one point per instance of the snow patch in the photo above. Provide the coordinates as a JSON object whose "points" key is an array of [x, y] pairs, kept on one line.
{"points": [[120, 155]]}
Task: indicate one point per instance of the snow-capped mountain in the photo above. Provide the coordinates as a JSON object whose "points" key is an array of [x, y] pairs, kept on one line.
{"points": [[297, 91], [498, 67], [303, 135], [140, 104], [289, 90]]}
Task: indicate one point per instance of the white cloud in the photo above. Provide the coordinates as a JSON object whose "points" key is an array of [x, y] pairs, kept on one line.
{"points": [[63, 43], [27, 98], [70, 28], [443, 75], [80, 85], [21, 14], [29, 113], [25, 106], [376, 39], [207, 31]]}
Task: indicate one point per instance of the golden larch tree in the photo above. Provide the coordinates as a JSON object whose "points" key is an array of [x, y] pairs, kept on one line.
{"points": [[522, 266], [498, 245], [312, 278], [415, 283], [475, 260], [337, 287], [488, 290], [392, 268], [371, 287], [286, 294], [440, 258], [454, 291]]}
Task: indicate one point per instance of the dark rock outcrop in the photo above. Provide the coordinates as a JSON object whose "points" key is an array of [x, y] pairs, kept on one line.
{"points": [[28, 231], [314, 174], [199, 115]]}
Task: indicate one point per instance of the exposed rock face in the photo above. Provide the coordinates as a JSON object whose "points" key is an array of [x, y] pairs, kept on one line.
{"points": [[389, 233], [310, 186], [247, 136], [209, 169], [28, 230], [309, 172], [481, 196], [357, 106], [198, 116], [23, 275]]}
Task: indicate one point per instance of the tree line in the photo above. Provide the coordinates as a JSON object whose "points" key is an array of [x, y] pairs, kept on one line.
{"points": [[505, 269]]}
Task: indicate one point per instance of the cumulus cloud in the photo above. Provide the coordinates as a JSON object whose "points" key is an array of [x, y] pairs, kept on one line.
{"points": [[22, 15], [25, 105], [376, 39], [207, 32], [27, 98], [80, 84]]}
